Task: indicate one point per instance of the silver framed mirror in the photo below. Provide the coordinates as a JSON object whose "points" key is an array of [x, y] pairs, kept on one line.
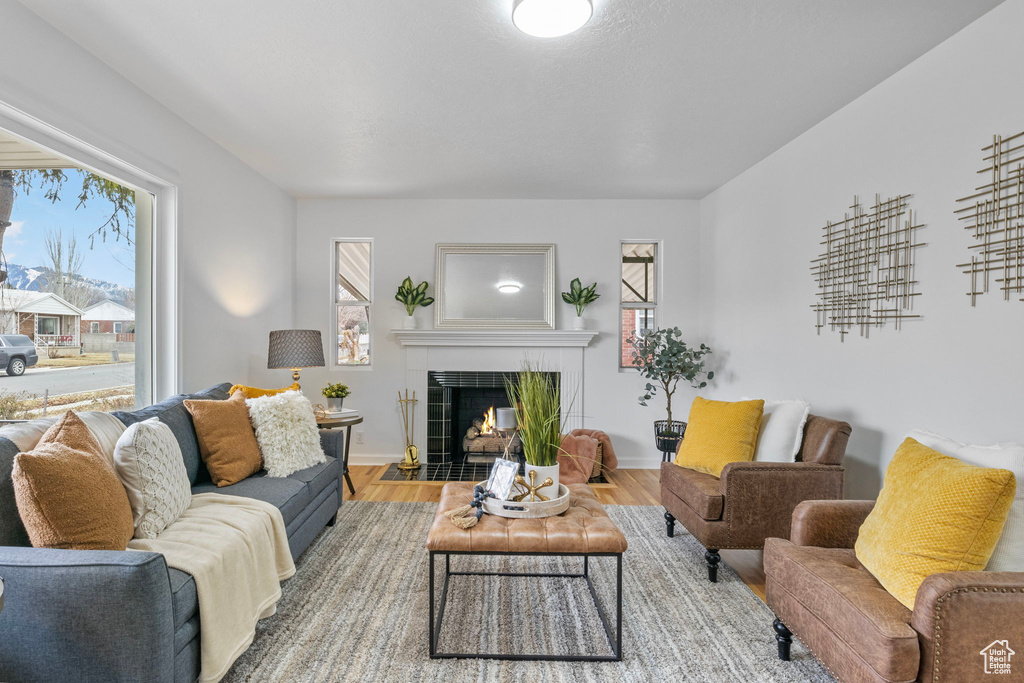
{"points": [[499, 286]]}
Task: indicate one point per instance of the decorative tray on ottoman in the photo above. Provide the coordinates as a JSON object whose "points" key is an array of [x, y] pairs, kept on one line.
{"points": [[525, 509]]}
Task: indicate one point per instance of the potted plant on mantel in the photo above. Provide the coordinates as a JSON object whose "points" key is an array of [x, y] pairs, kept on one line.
{"points": [[664, 358], [335, 395], [536, 398], [412, 297], [580, 297]]}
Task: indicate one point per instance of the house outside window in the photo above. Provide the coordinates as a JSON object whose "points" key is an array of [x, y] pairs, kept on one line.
{"points": [[95, 252], [353, 296], [118, 327], [640, 267]]}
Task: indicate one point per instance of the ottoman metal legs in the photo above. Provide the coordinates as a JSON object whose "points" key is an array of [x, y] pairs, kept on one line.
{"points": [[614, 638]]}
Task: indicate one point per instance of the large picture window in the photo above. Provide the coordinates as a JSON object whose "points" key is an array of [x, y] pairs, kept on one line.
{"points": [[74, 252], [638, 297], [353, 296]]}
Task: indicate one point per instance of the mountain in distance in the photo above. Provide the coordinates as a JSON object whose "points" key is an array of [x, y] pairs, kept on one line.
{"points": [[34, 280]]}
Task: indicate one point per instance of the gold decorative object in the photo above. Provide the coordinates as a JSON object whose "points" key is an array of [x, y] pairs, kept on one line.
{"points": [[412, 454], [319, 411], [532, 487], [994, 215], [865, 275]]}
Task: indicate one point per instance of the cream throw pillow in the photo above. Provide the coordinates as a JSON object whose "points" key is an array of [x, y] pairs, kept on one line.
{"points": [[286, 432], [149, 463], [105, 428], [1009, 553], [782, 430]]}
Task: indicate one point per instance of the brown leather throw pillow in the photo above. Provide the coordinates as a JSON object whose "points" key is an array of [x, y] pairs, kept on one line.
{"points": [[227, 442], [68, 494]]}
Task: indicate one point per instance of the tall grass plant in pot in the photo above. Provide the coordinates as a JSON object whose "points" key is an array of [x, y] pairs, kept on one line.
{"points": [[536, 397]]}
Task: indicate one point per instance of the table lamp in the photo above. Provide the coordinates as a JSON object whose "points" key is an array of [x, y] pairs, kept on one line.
{"points": [[295, 349]]}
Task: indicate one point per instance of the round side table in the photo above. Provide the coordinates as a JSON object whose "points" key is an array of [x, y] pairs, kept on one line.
{"points": [[345, 423]]}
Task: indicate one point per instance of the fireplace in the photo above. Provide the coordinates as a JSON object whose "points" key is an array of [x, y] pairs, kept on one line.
{"points": [[459, 405]]}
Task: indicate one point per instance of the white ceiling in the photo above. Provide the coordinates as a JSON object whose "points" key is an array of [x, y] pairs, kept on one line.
{"points": [[445, 98]]}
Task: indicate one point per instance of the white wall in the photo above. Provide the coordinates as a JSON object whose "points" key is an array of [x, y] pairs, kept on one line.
{"points": [[957, 371], [587, 234], [236, 228]]}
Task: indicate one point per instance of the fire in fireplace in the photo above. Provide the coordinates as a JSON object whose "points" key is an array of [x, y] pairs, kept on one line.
{"points": [[483, 438]]}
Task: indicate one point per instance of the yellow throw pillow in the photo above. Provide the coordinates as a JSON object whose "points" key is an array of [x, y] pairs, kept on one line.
{"points": [[934, 514], [254, 392], [719, 433]]}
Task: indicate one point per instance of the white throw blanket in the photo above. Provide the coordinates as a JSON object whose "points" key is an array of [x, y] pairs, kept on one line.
{"points": [[236, 549]]}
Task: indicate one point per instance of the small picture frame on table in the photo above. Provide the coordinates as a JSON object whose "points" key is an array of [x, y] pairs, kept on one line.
{"points": [[503, 476]]}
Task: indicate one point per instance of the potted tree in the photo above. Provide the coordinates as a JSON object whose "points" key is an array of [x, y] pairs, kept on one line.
{"points": [[412, 297], [335, 395], [579, 297], [664, 359], [536, 398]]}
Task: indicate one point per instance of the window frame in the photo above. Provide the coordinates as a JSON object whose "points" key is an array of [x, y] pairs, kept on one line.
{"points": [[336, 303], [158, 355], [41, 317], [94, 327], [118, 323], [657, 291]]}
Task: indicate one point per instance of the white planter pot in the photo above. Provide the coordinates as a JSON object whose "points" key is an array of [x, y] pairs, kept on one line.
{"points": [[335, 403], [543, 473], [409, 323], [579, 323]]}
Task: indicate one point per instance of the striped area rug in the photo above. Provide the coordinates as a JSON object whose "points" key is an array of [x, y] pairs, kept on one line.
{"points": [[356, 610]]}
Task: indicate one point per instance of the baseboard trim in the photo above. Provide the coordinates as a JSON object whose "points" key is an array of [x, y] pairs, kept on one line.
{"points": [[374, 459], [641, 463]]}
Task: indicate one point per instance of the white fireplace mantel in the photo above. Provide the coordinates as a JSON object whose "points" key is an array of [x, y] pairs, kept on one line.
{"points": [[506, 338], [559, 351]]}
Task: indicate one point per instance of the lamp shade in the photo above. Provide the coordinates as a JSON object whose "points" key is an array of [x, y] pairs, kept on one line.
{"points": [[295, 349]]}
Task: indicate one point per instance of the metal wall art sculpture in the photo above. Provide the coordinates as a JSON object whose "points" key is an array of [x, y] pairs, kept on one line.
{"points": [[865, 274], [994, 215]]}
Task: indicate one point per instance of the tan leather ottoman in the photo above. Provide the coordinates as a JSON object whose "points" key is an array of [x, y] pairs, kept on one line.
{"points": [[584, 530]]}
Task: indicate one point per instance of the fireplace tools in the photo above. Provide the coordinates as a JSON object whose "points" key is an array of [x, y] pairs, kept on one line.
{"points": [[412, 454]]}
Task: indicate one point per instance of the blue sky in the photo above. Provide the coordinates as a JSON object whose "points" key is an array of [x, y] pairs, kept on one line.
{"points": [[33, 215]]}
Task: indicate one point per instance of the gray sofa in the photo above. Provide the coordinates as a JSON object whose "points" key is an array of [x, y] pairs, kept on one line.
{"points": [[78, 615]]}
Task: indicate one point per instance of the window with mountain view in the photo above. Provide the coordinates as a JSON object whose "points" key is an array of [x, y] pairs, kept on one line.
{"points": [[67, 287]]}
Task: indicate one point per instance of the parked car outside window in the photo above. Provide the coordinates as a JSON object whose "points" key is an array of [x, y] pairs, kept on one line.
{"points": [[17, 352]]}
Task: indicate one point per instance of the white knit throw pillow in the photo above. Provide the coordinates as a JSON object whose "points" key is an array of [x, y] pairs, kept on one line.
{"points": [[149, 463], [286, 432]]}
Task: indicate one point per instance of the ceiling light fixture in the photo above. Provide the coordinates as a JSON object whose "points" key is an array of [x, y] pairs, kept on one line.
{"points": [[551, 18], [509, 287]]}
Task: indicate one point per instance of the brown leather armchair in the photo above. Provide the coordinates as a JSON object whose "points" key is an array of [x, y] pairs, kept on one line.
{"points": [[860, 632], [753, 501]]}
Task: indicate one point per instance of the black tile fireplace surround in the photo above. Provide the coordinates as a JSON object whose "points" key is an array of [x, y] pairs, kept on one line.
{"points": [[454, 399]]}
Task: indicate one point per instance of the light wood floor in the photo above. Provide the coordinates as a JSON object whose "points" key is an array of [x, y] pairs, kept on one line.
{"points": [[624, 487]]}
